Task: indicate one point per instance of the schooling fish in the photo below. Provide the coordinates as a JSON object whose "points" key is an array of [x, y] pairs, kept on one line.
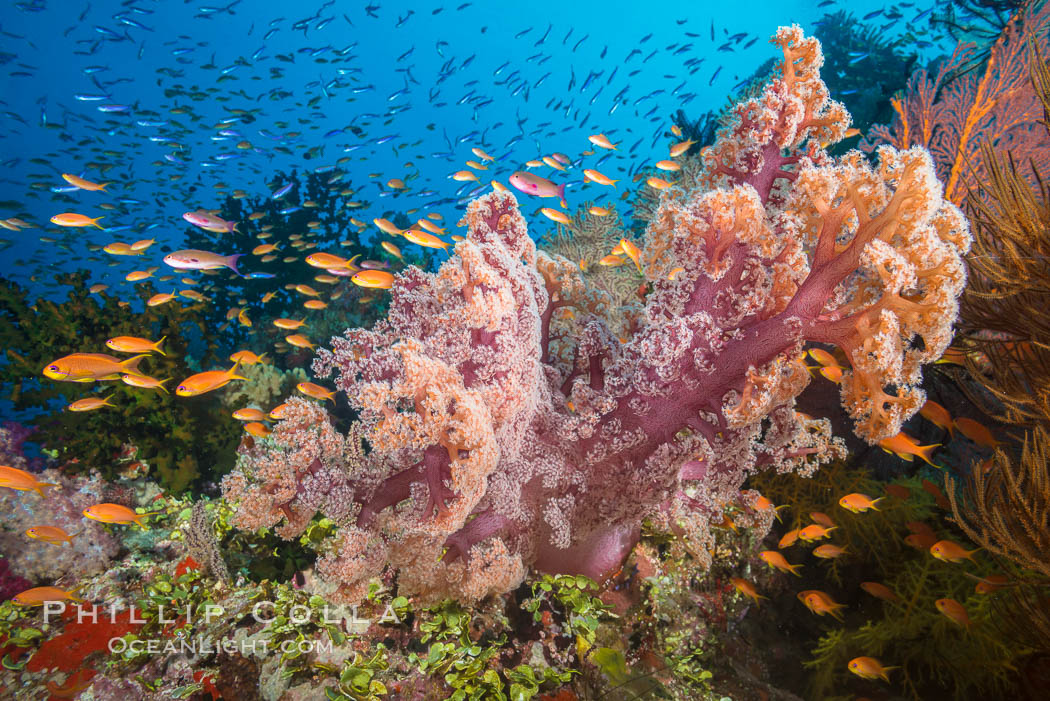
{"points": [[208, 381], [76, 220], [192, 259], [84, 184], [869, 668], [540, 187], [38, 596], [88, 367], [210, 222], [115, 513], [22, 481], [134, 344], [51, 534]]}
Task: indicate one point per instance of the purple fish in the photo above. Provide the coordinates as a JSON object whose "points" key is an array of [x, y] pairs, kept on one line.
{"points": [[540, 187], [192, 259]]}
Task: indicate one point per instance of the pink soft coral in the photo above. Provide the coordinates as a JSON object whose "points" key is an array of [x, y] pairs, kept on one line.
{"points": [[490, 454]]}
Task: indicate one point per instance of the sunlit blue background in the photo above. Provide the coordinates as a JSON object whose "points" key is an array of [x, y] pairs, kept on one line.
{"points": [[308, 64]]}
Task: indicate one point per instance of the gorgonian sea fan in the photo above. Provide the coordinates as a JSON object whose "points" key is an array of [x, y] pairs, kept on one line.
{"points": [[506, 436]]}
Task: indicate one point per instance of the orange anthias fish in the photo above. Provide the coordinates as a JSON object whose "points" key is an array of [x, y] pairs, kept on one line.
{"points": [[788, 539], [115, 513], [278, 412], [51, 534], [746, 588], [145, 382], [249, 414], [377, 279], [134, 344], [204, 382], [316, 391], [288, 324], [22, 481], [992, 582], [681, 147], [299, 341], [953, 610], [820, 603], [632, 252], [776, 560], [948, 551], [858, 503], [880, 591], [77, 181], [976, 432], [904, 446], [601, 140], [246, 357], [937, 415], [898, 491], [823, 357], [89, 403], [815, 531], [869, 668], [37, 596], [937, 494], [821, 518], [88, 367], [828, 551], [75, 220], [555, 215], [257, 429]]}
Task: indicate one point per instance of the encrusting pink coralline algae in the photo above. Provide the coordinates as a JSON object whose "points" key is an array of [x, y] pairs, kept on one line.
{"points": [[501, 438]]}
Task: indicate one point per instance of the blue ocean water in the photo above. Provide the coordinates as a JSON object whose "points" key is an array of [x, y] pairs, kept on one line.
{"points": [[403, 90]]}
